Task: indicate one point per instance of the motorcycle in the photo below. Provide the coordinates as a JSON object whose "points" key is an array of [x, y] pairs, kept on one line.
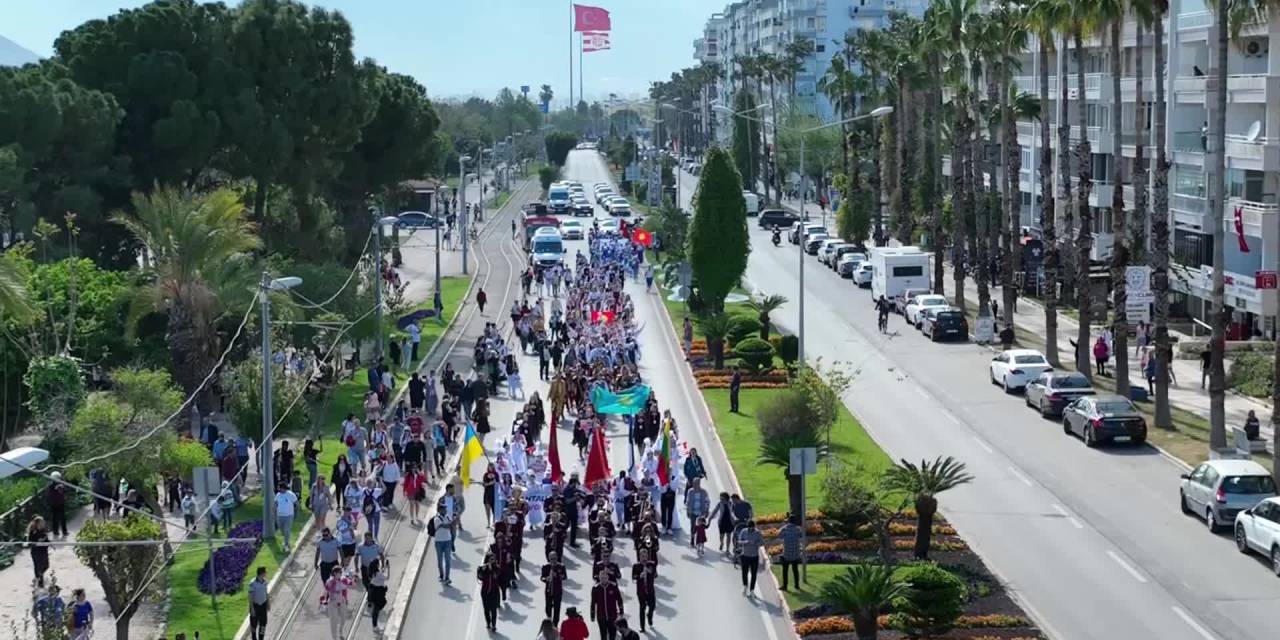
{"points": [[777, 238]]}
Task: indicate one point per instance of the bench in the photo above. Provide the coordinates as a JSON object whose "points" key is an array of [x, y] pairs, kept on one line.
{"points": [[1244, 445]]}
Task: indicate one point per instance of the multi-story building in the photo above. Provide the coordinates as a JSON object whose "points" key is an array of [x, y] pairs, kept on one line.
{"points": [[1251, 212]]}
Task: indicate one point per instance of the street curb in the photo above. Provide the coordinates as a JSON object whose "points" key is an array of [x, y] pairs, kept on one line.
{"points": [[304, 535], [399, 607], [715, 436]]}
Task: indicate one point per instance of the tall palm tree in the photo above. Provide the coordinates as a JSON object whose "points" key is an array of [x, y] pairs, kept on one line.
{"points": [[201, 248], [1083, 18], [929, 169], [715, 328], [922, 484], [875, 49], [952, 21], [795, 54], [1114, 13], [985, 44], [546, 94], [1042, 18], [837, 85], [863, 591], [763, 307], [1160, 227], [1012, 30]]}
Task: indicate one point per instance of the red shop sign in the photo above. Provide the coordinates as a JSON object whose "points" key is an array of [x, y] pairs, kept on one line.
{"points": [[1264, 279]]}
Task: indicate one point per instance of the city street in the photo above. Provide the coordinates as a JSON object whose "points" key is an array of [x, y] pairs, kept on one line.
{"points": [[697, 597], [1092, 540]]}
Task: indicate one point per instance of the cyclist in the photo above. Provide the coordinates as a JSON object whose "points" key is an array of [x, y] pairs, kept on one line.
{"points": [[882, 310]]}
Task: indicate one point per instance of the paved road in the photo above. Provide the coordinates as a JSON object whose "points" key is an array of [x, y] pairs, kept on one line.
{"points": [[698, 597]]}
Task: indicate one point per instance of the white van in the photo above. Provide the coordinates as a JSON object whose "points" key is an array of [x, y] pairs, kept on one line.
{"points": [[896, 269], [753, 203], [547, 247]]}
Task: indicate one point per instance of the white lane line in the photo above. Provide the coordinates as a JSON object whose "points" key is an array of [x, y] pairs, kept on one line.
{"points": [[1127, 567], [1018, 474], [952, 417], [1191, 622], [983, 443], [1066, 514], [922, 392]]}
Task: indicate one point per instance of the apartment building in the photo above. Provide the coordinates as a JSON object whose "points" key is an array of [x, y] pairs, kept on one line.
{"points": [[1251, 212]]}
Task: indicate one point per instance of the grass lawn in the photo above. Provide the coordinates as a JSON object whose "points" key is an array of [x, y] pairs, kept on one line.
{"points": [[764, 485], [501, 200], [190, 610], [819, 574]]}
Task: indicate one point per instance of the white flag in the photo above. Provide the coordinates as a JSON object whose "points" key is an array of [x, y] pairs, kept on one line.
{"points": [[595, 40]]}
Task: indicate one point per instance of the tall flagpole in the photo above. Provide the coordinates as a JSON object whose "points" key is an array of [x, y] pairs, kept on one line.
{"points": [[581, 93], [571, 54]]}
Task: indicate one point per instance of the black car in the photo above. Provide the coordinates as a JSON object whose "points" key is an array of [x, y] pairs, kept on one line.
{"points": [[945, 324], [777, 219], [1099, 419], [1051, 391]]}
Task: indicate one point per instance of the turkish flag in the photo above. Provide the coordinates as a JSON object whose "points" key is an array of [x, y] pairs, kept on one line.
{"points": [[597, 460], [643, 237], [603, 317], [553, 451], [590, 18], [1244, 246]]}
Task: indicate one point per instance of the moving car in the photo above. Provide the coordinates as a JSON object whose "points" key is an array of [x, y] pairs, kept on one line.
{"points": [[619, 208], [938, 324], [776, 219], [848, 263], [558, 198], [609, 226], [572, 230], [547, 247], [920, 303], [1218, 490], [583, 208], [417, 220], [1051, 392], [1258, 529], [1014, 368], [862, 275], [1105, 418]]}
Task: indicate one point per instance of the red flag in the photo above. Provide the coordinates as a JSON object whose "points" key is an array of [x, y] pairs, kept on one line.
{"points": [[1244, 246], [553, 452], [598, 460], [643, 237], [590, 18], [603, 317]]}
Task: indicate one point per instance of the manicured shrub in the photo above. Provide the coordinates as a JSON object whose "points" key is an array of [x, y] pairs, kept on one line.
{"points": [[755, 353], [1252, 374], [787, 415], [231, 563], [741, 328], [789, 349], [932, 603]]}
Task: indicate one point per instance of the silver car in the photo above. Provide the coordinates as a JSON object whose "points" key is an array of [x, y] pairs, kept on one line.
{"points": [[1217, 490]]}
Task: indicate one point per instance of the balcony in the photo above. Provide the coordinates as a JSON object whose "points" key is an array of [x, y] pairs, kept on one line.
{"points": [[1258, 154], [1188, 148], [1196, 20], [1259, 218], [1101, 194], [1188, 211], [1242, 88]]}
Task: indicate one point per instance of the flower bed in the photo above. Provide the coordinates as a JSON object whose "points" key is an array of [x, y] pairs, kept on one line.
{"points": [[232, 561], [842, 624], [954, 544]]}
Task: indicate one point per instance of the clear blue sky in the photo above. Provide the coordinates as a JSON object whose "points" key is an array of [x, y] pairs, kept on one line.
{"points": [[462, 47]]}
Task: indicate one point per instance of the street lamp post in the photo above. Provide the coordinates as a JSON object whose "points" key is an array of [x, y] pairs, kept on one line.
{"points": [[264, 449], [679, 132], [462, 208], [878, 112], [379, 222]]}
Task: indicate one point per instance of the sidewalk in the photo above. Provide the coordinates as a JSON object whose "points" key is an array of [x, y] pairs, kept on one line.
{"points": [[1186, 394]]}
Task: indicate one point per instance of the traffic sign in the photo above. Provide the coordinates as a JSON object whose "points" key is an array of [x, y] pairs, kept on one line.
{"points": [[804, 461]]}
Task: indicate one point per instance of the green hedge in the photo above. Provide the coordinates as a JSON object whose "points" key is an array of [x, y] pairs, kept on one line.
{"points": [[1252, 374]]}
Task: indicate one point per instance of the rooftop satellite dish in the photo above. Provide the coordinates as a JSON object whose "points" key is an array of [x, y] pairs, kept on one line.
{"points": [[1254, 131]]}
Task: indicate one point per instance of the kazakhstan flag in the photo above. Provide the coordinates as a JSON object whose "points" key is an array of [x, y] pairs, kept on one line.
{"points": [[627, 402]]}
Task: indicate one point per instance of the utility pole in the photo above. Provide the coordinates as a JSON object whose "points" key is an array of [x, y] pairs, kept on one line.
{"points": [[377, 275], [264, 448]]}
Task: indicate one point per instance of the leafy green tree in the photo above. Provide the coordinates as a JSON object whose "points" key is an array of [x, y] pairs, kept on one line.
{"points": [[200, 248], [14, 301], [853, 219], [863, 591], [55, 390], [244, 391], [83, 307], [746, 139], [546, 175], [934, 599], [123, 569], [921, 484], [559, 144], [853, 507], [718, 241]]}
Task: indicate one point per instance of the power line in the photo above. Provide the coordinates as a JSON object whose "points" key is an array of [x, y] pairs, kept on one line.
{"points": [[310, 304]]}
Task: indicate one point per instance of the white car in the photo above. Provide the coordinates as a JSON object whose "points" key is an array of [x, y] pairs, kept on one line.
{"points": [[619, 208], [1258, 529], [1014, 368], [608, 226], [603, 195], [572, 230], [827, 247], [862, 275], [920, 303], [849, 263]]}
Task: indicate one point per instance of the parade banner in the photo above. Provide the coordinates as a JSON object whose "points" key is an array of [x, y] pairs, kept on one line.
{"points": [[627, 402]]}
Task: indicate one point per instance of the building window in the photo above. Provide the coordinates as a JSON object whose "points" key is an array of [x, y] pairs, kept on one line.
{"points": [[810, 22], [820, 48], [1191, 249]]}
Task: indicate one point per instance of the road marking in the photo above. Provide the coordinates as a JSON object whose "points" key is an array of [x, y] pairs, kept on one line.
{"points": [[983, 443], [953, 418], [1066, 514], [1127, 567], [922, 392], [1018, 474], [1191, 622]]}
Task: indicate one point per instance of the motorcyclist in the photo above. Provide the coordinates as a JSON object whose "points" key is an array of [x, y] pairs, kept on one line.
{"points": [[882, 310], [777, 237]]}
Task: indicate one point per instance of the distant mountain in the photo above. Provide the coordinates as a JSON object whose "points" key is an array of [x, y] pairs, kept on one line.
{"points": [[13, 54]]}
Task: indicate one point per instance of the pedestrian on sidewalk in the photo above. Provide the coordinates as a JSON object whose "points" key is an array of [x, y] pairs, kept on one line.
{"points": [[370, 504], [81, 616], [311, 459], [258, 605], [749, 544], [377, 590], [625, 632], [547, 631], [55, 499], [1142, 338], [481, 299], [441, 528], [50, 613], [1149, 369], [1100, 355], [38, 543], [606, 605], [286, 508], [688, 337], [328, 552], [554, 575], [390, 478], [1205, 357], [415, 491], [1251, 426], [369, 552], [335, 603], [415, 338], [644, 574]]}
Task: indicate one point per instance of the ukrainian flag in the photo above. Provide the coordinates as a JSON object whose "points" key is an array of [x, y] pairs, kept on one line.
{"points": [[627, 402], [472, 450]]}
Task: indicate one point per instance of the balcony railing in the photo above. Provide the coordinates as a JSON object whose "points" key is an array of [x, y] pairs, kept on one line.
{"points": [[1190, 204], [1188, 141], [1196, 20]]}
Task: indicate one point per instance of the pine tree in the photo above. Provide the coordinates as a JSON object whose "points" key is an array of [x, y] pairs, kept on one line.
{"points": [[718, 242]]}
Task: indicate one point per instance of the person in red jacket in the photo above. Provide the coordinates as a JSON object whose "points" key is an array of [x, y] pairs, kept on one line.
{"points": [[573, 627], [606, 605]]}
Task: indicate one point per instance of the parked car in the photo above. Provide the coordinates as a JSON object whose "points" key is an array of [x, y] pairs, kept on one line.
{"points": [[417, 220], [813, 242], [1258, 529], [602, 195], [776, 219], [572, 230], [1014, 368], [804, 230], [828, 248], [841, 251], [1051, 392], [902, 300], [941, 323], [1105, 418], [862, 275], [848, 263], [920, 303], [1219, 490]]}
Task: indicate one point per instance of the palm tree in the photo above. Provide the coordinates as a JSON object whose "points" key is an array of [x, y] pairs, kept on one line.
{"points": [[715, 328], [201, 249], [836, 85], [1042, 18], [795, 54], [763, 307], [13, 291], [1160, 228], [952, 22], [1012, 30], [922, 484], [546, 94], [1114, 13], [1083, 19], [863, 591]]}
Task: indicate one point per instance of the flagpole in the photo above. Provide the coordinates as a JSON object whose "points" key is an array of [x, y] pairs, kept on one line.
{"points": [[571, 54], [581, 93]]}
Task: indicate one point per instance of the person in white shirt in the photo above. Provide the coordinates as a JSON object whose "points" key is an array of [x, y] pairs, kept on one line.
{"points": [[286, 509], [415, 337], [441, 527], [390, 478]]}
